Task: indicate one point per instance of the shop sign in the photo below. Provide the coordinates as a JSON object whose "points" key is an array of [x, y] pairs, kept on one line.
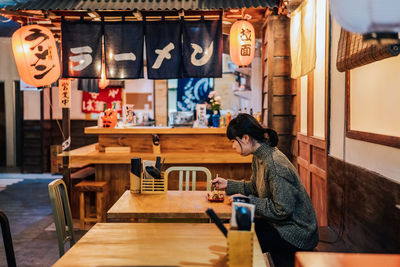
{"points": [[110, 97], [64, 89]]}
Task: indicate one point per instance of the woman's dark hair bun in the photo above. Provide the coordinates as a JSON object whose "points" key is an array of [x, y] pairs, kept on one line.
{"points": [[247, 124], [273, 137]]}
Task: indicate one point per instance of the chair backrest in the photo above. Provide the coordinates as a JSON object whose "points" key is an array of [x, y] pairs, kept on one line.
{"points": [[8, 245], [61, 213], [187, 170]]}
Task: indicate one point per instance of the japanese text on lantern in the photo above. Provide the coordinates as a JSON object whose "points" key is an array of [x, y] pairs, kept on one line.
{"points": [[64, 88], [35, 54], [245, 44]]}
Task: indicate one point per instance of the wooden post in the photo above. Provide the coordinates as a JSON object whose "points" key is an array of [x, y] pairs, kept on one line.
{"points": [[41, 130], [66, 147]]}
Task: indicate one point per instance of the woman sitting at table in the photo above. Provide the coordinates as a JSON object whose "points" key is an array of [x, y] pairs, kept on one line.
{"points": [[285, 218]]}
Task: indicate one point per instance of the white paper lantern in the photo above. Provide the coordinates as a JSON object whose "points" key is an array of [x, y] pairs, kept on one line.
{"points": [[375, 19]]}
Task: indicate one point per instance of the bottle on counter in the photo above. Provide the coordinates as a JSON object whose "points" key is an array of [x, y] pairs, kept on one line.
{"points": [[251, 111], [245, 110], [101, 115], [228, 118], [215, 119], [239, 111], [221, 121]]}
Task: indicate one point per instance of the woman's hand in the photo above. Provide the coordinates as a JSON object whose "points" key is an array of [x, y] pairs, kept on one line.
{"points": [[219, 183], [235, 195]]}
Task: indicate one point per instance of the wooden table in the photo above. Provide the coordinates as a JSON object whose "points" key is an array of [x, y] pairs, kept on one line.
{"points": [[171, 205], [152, 244], [325, 259]]}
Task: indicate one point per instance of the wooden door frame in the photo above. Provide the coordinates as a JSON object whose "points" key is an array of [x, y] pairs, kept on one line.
{"points": [[308, 144]]}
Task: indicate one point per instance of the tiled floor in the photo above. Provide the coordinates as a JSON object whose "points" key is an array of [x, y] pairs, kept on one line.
{"points": [[24, 199]]}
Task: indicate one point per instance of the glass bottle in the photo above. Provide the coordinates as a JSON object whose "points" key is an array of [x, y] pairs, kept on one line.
{"points": [[215, 119]]}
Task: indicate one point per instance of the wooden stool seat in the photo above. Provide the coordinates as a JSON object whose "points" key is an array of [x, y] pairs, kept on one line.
{"points": [[92, 186], [101, 190]]}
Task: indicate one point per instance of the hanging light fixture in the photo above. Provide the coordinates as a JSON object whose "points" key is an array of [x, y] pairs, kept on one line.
{"points": [[242, 43], [376, 20], [103, 82], [35, 54]]}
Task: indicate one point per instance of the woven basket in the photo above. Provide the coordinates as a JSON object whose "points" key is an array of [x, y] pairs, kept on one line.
{"points": [[353, 52]]}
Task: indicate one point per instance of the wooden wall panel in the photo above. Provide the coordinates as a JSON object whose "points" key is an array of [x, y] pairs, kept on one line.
{"points": [[281, 66], [318, 157], [364, 204], [138, 143], [318, 197], [281, 85], [303, 173], [282, 105], [32, 152], [278, 111], [311, 162]]}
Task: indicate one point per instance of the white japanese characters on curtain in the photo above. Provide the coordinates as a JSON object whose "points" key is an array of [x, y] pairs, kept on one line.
{"points": [[81, 49], [202, 48], [163, 49], [174, 49], [123, 47]]}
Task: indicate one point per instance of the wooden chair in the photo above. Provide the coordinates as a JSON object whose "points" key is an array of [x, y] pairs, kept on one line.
{"points": [[187, 170], [8, 245], [101, 190], [61, 214]]}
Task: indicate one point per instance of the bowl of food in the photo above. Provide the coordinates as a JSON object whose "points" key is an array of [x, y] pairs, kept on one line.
{"points": [[216, 196]]}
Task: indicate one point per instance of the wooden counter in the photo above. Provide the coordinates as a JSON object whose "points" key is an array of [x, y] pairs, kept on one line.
{"points": [[154, 130], [207, 147], [90, 155]]}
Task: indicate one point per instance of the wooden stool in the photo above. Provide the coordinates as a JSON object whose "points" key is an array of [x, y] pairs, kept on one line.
{"points": [[101, 189]]}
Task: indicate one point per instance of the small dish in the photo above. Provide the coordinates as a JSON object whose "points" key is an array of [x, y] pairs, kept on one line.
{"points": [[216, 196]]}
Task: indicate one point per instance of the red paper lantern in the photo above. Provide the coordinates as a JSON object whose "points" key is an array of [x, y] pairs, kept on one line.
{"points": [[36, 56], [242, 43]]}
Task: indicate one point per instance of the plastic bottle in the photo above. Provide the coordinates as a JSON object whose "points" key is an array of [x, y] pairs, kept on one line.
{"points": [[221, 121], [245, 110], [228, 118]]}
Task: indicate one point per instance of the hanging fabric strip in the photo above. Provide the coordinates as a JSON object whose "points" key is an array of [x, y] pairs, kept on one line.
{"points": [[302, 39], [81, 49], [163, 49], [202, 48], [123, 46]]}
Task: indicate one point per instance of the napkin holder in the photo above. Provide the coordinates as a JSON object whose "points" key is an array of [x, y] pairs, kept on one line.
{"points": [[240, 247]]}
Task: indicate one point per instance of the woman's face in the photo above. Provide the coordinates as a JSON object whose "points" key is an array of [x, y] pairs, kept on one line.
{"points": [[243, 145]]}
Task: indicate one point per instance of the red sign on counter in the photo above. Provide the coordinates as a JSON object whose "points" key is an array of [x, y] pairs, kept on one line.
{"points": [[94, 102]]}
